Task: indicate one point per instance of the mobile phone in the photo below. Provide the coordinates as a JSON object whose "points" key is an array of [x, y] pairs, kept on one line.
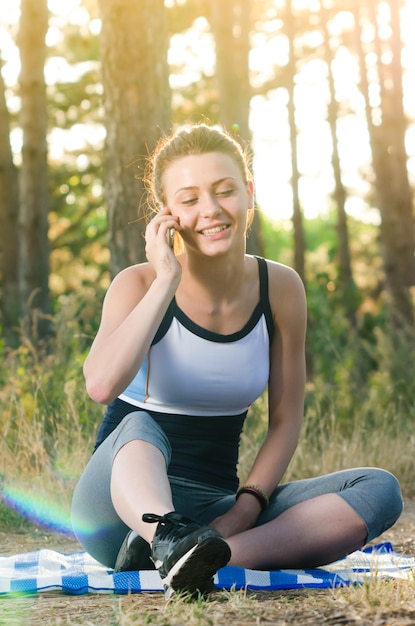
{"points": [[170, 237]]}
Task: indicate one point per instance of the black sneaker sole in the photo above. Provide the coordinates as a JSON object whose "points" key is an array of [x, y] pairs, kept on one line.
{"points": [[194, 571]]}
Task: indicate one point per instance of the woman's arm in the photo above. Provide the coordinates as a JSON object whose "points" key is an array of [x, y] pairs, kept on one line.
{"points": [[285, 397], [133, 309], [286, 381]]}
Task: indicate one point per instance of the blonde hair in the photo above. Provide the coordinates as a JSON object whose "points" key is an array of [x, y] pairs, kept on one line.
{"points": [[195, 140]]}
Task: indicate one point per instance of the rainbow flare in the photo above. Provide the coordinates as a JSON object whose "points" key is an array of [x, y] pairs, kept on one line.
{"points": [[37, 509]]}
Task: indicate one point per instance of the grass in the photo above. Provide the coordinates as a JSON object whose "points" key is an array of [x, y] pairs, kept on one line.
{"points": [[377, 603], [390, 604]]}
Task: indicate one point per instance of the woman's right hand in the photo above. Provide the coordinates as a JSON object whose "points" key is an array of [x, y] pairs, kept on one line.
{"points": [[158, 251]]}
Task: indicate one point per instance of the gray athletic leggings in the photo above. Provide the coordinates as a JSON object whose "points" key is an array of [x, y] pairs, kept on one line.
{"points": [[373, 493]]}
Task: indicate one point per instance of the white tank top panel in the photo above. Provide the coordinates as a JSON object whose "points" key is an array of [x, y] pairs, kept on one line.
{"points": [[192, 371]]}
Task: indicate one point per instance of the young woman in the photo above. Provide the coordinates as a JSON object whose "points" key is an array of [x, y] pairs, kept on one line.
{"points": [[186, 343]]}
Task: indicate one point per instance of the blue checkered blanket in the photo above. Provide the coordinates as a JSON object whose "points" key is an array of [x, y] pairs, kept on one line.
{"points": [[79, 573]]}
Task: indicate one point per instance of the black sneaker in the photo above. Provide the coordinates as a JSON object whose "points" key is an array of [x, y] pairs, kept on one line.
{"points": [[133, 556], [186, 554]]}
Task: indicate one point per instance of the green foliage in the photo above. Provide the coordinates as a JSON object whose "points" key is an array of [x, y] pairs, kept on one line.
{"points": [[277, 239], [78, 229], [358, 411], [332, 338], [44, 407], [359, 400]]}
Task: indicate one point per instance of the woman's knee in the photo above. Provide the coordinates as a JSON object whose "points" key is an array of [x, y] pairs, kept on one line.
{"points": [[376, 496], [387, 485], [139, 425]]}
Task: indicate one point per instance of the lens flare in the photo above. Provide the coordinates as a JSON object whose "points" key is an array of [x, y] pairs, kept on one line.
{"points": [[37, 509]]}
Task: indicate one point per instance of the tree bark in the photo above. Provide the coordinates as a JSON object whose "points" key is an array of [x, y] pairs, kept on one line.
{"points": [[9, 207], [346, 281], [137, 112], [33, 217], [231, 27], [393, 192], [299, 237]]}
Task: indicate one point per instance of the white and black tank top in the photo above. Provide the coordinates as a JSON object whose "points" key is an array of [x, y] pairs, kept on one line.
{"points": [[199, 385]]}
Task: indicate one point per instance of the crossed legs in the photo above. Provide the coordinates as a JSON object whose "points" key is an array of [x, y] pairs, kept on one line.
{"points": [[312, 526], [312, 533]]}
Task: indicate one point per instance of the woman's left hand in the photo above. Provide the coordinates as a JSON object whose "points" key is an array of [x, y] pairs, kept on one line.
{"points": [[238, 519]]}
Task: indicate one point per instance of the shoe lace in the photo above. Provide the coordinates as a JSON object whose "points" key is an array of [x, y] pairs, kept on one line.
{"points": [[171, 524]]}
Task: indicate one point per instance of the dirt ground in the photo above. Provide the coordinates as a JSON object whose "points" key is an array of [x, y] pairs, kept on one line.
{"points": [[289, 608]]}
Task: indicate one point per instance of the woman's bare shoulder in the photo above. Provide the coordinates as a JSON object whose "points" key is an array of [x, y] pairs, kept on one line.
{"points": [[286, 290], [283, 275], [131, 283], [141, 274]]}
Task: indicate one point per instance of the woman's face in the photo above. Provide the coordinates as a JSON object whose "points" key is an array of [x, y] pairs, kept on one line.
{"points": [[211, 199]]}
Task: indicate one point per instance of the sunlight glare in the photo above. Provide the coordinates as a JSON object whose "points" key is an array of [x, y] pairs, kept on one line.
{"points": [[80, 136], [64, 8], [9, 13], [341, 22], [265, 56], [53, 36], [359, 209], [194, 50]]}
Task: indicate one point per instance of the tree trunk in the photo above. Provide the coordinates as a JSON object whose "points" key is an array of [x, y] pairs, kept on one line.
{"points": [[392, 187], [137, 112], [346, 282], [299, 238], [231, 25], [231, 28], [297, 219], [9, 207], [398, 158], [33, 217]]}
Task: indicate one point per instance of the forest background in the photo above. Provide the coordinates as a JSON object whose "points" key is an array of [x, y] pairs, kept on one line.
{"points": [[321, 91]]}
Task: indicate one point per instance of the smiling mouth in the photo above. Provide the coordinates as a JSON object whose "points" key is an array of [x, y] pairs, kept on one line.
{"points": [[213, 231]]}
